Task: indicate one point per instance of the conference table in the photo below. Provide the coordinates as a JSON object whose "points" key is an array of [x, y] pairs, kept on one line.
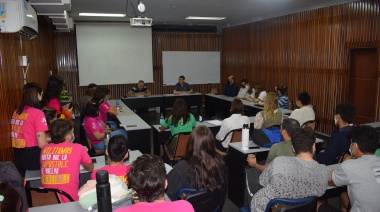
{"points": [[136, 102], [192, 99], [373, 124]]}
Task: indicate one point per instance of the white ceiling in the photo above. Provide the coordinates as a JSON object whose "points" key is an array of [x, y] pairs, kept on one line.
{"points": [[174, 12]]}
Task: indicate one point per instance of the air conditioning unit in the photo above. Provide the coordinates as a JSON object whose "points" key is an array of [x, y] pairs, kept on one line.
{"points": [[141, 22], [18, 16]]}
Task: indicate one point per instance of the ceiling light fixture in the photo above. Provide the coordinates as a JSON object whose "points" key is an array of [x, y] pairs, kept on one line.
{"points": [[206, 18], [102, 14], [141, 7]]}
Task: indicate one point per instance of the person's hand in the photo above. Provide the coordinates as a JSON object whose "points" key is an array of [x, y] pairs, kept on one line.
{"points": [[107, 129], [162, 128], [120, 107], [252, 161], [85, 148], [70, 110], [66, 106]]}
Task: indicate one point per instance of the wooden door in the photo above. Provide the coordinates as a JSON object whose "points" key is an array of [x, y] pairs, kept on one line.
{"points": [[364, 90]]}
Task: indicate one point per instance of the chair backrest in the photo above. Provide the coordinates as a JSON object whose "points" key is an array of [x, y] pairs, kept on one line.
{"points": [[180, 150], [236, 135], [307, 204], [313, 124], [205, 201], [56, 192]]}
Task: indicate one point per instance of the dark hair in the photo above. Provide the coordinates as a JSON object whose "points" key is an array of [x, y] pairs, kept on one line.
{"points": [[252, 85], [141, 81], [147, 177], [206, 165], [281, 88], [59, 129], [244, 80], [304, 98], [290, 125], [54, 88], [118, 147], [92, 85], [346, 112], [99, 94], [237, 107], [92, 110], [303, 140], [366, 137], [91, 88], [182, 77], [50, 114], [180, 111], [30, 93], [12, 199]]}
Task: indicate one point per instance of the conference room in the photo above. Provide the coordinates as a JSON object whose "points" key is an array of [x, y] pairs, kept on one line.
{"points": [[329, 49]]}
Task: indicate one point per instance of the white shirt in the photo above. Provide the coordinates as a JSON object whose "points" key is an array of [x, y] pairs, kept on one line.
{"points": [[262, 95], [242, 92], [252, 95], [302, 115], [235, 121]]}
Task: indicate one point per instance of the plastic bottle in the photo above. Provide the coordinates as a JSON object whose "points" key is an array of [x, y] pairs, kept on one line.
{"points": [[162, 119], [201, 115], [245, 137], [117, 105], [106, 140], [103, 191]]}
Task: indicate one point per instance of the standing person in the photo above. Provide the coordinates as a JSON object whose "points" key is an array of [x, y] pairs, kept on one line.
{"points": [[28, 127], [293, 177], [148, 178], [243, 89], [235, 121], [139, 90], [180, 120], [61, 160], [283, 100], [201, 163], [91, 88], [231, 89], [361, 175], [182, 87], [271, 115], [305, 112], [50, 98], [339, 142]]}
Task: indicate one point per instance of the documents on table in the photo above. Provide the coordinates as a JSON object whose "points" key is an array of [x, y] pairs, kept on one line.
{"points": [[215, 122]]}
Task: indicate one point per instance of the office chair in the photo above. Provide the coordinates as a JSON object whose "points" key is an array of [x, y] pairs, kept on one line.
{"points": [[236, 137], [180, 148], [47, 190], [307, 204], [313, 124]]}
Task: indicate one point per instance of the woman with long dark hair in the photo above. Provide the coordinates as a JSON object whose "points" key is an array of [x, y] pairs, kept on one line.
{"points": [[54, 88], [179, 121], [28, 129], [203, 167]]}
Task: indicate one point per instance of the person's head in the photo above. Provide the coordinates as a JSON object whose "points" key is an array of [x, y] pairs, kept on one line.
{"points": [[181, 79], [288, 127], [303, 99], [54, 88], [243, 82], [237, 107], [364, 140], [31, 96], [180, 111], [50, 114], [231, 79], [281, 89], [117, 148], [270, 104], [12, 199], [303, 141], [62, 130], [344, 114], [140, 84], [148, 178], [257, 88], [100, 95], [91, 88], [92, 110]]}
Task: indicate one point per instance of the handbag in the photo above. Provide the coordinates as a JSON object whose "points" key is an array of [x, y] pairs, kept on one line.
{"points": [[266, 137]]}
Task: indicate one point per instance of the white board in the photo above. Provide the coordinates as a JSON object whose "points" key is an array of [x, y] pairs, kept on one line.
{"points": [[197, 67]]}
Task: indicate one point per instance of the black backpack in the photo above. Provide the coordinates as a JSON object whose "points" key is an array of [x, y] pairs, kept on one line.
{"points": [[10, 174]]}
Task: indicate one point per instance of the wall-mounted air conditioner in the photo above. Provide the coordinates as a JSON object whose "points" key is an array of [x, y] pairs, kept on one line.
{"points": [[18, 16]]}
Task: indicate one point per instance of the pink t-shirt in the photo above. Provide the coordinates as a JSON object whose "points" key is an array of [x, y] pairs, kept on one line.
{"points": [[120, 171], [180, 205], [103, 110], [91, 125], [26, 125], [60, 166], [54, 103]]}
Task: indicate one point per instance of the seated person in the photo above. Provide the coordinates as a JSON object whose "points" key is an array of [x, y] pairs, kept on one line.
{"points": [[256, 88], [91, 88], [283, 100], [243, 89], [293, 177], [117, 150], [339, 142], [100, 97], [231, 89], [283, 148], [361, 175], [271, 115], [139, 90], [235, 121], [50, 115], [305, 112], [179, 121], [250, 91], [148, 179], [182, 87], [61, 160], [201, 163]]}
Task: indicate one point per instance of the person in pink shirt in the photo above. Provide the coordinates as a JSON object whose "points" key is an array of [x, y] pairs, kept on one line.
{"points": [[61, 159], [148, 178], [51, 97], [117, 150], [100, 96], [28, 126]]}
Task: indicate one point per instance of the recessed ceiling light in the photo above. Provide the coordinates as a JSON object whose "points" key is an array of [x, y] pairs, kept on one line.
{"points": [[206, 18], [102, 14]]}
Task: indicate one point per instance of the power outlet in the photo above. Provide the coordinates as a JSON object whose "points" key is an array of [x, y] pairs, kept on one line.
{"points": [[24, 61]]}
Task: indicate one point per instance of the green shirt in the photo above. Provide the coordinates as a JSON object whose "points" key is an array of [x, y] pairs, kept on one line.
{"points": [[283, 148], [181, 127], [377, 153]]}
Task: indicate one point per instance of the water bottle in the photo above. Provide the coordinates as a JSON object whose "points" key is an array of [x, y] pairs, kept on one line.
{"points": [[201, 115], [106, 140], [117, 105], [103, 191], [245, 137], [162, 119]]}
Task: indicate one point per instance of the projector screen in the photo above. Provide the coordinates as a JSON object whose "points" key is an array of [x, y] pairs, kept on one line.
{"points": [[113, 53], [197, 67]]}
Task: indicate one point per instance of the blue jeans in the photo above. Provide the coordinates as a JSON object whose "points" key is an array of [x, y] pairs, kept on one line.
{"points": [[119, 132], [99, 146], [112, 124]]}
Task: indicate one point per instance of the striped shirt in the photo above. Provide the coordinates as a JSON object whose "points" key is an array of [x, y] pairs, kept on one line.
{"points": [[283, 101]]}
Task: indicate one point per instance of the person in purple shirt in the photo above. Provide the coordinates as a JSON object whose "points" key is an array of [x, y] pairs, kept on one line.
{"points": [[182, 87]]}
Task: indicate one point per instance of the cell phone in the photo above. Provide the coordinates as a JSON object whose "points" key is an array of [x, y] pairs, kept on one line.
{"points": [[93, 160], [254, 147]]}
